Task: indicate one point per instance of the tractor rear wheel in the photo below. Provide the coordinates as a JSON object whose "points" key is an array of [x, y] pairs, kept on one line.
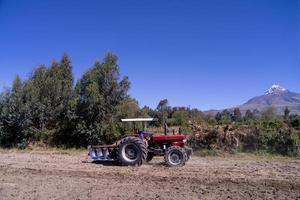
{"points": [[175, 156], [132, 151]]}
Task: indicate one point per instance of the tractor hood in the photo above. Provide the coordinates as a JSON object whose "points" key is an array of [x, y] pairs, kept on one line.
{"points": [[157, 138]]}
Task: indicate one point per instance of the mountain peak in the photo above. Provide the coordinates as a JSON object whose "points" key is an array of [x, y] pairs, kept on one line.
{"points": [[277, 97], [275, 89]]}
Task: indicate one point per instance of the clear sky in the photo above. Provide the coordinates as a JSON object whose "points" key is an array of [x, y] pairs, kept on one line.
{"points": [[207, 54]]}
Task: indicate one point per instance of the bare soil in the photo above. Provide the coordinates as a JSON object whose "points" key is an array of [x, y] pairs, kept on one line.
{"points": [[44, 175]]}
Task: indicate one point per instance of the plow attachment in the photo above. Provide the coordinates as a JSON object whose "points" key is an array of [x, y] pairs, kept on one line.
{"points": [[102, 153]]}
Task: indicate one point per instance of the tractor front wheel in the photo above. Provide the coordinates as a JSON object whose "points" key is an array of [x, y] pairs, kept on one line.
{"points": [[175, 156]]}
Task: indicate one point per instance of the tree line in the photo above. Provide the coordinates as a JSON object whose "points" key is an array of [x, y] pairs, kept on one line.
{"points": [[49, 108]]}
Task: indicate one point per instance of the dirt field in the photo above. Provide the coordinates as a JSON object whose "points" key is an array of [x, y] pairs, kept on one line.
{"points": [[43, 175]]}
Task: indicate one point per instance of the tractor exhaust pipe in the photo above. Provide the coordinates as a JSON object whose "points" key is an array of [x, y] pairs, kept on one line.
{"points": [[165, 127]]}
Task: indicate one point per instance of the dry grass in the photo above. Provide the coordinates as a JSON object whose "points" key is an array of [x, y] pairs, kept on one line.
{"points": [[256, 156], [46, 150]]}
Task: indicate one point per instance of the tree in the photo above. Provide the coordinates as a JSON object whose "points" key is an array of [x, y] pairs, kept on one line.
{"points": [[2, 133], [180, 117], [3, 106], [35, 91], [218, 117], [286, 113], [65, 108], [47, 108], [100, 92], [226, 117], [48, 94], [256, 113], [162, 108], [196, 115], [146, 111], [248, 115], [295, 121], [237, 115], [12, 116], [163, 104], [129, 109]]}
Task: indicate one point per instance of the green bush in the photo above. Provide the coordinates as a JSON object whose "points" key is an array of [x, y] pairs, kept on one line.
{"points": [[273, 136], [250, 141], [286, 143]]}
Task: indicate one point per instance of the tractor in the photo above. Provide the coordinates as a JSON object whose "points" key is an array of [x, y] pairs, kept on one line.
{"points": [[141, 147]]}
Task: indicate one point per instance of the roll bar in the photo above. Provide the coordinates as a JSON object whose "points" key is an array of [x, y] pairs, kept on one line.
{"points": [[139, 120]]}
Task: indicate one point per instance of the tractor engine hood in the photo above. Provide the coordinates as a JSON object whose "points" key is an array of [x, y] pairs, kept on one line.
{"points": [[158, 138]]}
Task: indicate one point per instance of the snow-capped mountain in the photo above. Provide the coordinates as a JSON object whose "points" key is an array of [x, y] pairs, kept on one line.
{"points": [[275, 89], [277, 97]]}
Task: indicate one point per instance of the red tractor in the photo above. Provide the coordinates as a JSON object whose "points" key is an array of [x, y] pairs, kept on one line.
{"points": [[137, 149]]}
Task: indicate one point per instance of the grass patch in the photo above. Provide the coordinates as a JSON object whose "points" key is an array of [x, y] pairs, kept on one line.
{"points": [[45, 150], [258, 155]]}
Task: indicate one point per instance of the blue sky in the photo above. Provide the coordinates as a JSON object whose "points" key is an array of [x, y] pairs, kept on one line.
{"points": [[207, 54]]}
